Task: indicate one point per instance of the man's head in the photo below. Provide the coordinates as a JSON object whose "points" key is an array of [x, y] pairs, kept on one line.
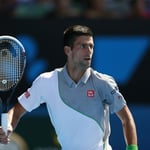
{"points": [[72, 32], [78, 46]]}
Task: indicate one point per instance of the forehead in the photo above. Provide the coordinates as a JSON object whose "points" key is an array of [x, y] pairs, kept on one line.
{"points": [[84, 39]]}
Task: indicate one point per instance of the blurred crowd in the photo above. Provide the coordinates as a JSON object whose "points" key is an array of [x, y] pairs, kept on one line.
{"points": [[92, 9]]}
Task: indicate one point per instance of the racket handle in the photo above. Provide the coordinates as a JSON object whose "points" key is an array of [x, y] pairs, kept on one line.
{"points": [[4, 122]]}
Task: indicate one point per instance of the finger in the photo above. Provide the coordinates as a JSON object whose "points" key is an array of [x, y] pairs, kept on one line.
{"points": [[2, 134], [1, 131], [4, 140]]}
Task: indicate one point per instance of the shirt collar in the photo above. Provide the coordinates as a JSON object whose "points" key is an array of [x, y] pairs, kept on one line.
{"points": [[83, 80]]}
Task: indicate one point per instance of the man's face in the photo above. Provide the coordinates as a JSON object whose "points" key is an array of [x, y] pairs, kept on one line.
{"points": [[81, 52]]}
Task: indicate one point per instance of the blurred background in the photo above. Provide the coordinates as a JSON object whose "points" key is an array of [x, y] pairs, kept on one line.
{"points": [[122, 49]]}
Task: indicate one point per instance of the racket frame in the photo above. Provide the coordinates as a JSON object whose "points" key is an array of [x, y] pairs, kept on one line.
{"points": [[4, 115]]}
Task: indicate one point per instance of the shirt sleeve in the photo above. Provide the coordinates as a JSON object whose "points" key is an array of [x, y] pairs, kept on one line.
{"points": [[31, 99], [113, 96]]}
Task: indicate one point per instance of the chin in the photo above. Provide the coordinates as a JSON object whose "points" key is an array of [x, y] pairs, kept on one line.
{"points": [[86, 67]]}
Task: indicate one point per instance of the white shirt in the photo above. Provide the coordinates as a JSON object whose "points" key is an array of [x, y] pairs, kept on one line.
{"points": [[76, 128]]}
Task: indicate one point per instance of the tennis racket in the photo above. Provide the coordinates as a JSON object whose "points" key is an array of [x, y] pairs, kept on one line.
{"points": [[12, 65]]}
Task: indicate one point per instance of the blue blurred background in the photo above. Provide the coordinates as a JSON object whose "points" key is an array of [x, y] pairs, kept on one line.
{"points": [[121, 49]]}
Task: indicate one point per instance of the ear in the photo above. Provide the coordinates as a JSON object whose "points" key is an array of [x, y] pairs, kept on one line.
{"points": [[67, 50]]}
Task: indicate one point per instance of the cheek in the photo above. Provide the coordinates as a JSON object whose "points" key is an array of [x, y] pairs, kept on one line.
{"points": [[92, 52], [75, 53], [76, 56]]}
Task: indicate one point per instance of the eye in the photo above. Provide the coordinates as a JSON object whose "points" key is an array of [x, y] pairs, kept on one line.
{"points": [[91, 46], [83, 46]]}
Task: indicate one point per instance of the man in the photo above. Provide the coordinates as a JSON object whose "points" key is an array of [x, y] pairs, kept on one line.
{"points": [[78, 99]]}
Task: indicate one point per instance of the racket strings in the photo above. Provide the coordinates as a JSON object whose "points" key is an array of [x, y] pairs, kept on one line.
{"points": [[11, 64]]}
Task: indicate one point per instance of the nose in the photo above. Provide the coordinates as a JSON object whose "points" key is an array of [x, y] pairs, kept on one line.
{"points": [[89, 48]]}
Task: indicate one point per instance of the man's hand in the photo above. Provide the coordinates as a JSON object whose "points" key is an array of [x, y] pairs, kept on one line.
{"points": [[4, 138]]}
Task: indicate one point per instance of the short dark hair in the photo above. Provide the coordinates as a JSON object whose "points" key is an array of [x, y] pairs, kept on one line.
{"points": [[72, 32]]}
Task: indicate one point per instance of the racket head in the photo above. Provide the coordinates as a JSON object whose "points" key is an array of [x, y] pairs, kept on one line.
{"points": [[12, 62]]}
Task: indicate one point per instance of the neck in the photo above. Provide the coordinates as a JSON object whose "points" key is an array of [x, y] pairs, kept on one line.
{"points": [[75, 73]]}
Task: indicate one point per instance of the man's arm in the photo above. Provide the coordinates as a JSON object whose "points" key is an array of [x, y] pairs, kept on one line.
{"points": [[129, 127], [14, 116]]}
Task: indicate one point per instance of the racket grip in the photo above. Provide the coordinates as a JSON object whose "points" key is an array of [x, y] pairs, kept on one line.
{"points": [[4, 121]]}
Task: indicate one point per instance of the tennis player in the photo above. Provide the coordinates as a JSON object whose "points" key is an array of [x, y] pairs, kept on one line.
{"points": [[78, 98]]}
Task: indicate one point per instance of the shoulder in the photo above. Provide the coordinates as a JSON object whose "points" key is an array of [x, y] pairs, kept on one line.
{"points": [[105, 78], [46, 76], [50, 74]]}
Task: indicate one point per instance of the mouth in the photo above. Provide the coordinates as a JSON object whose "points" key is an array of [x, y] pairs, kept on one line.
{"points": [[87, 58]]}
